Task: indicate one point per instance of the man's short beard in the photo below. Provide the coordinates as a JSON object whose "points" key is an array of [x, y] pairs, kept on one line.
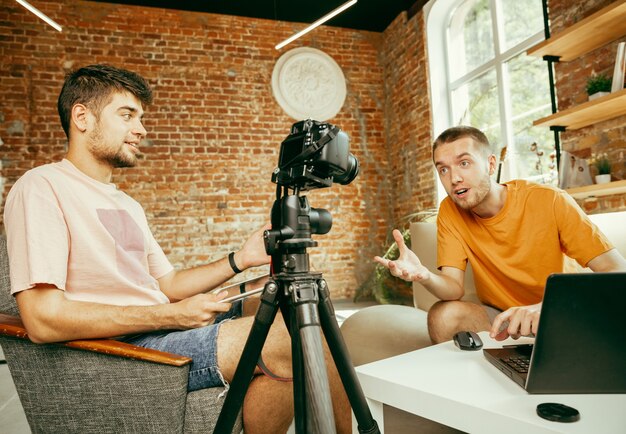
{"points": [[482, 190], [117, 160]]}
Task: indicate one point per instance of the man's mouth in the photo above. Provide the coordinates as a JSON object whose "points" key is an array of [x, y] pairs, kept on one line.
{"points": [[133, 146], [461, 191]]}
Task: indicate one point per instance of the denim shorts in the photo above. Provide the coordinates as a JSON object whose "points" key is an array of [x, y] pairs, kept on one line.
{"points": [[199, 344]]}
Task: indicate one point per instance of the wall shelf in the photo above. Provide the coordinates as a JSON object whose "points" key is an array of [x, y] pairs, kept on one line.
{"points": [[596, 30], [600, 109], [616, 187]]}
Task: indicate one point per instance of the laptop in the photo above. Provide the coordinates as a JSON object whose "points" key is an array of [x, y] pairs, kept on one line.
{"points": [[580, 345]]}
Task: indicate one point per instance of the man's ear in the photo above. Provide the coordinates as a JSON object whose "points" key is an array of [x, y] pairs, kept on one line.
{"points": [[493, 163], [80, 117]]}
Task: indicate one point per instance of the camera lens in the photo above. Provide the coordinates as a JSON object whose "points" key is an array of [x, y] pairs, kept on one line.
{"points": [[352, 170]]}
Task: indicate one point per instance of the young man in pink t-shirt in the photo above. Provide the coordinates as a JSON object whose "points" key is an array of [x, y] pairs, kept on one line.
{"points": [[514, 235], [84, 263]]}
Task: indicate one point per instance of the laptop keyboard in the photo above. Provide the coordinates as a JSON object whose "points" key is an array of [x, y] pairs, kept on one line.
{"points": [[518, 363]]}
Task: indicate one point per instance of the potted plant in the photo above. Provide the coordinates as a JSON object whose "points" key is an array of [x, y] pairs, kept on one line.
{"points": [[598, 85], [603, 167]]}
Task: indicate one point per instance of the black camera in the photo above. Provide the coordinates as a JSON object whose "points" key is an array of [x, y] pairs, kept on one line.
{"points": [[314, 155]]}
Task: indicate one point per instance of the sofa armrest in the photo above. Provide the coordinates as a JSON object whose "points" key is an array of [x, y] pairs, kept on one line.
{"points": [[382, 331], [13, 326]]}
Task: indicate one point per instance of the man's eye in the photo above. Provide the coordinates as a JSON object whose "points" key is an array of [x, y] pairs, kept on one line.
{"points": [[443, 171], [464, 163], [126, 116]]}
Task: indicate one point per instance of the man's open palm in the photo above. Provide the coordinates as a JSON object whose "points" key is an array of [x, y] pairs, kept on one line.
{"points": [[408, 265]]}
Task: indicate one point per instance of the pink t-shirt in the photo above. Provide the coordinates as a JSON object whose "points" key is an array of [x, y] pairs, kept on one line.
{"points": [[83, 236]]}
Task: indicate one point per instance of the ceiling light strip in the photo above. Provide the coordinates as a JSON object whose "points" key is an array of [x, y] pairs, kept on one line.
{"points": [[40, 14], [317, 23]]}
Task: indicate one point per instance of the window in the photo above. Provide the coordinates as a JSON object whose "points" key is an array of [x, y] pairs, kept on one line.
{"points": [[489, 82]]}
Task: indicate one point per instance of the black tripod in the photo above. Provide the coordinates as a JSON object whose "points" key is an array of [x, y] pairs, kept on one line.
{"points": [[303, 298]]}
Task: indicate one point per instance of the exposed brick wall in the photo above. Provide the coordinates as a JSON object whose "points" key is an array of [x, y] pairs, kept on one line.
{"points": [[214, 129], [571, 78], [408, 116]]}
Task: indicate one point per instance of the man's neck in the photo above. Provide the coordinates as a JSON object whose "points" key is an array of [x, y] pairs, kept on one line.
{"points": [[89, 166], [493, 202]]}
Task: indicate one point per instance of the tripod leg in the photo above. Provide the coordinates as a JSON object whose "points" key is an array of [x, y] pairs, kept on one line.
{"points": [[320, 418], [299, 391], [366, 423], [252, 350]]}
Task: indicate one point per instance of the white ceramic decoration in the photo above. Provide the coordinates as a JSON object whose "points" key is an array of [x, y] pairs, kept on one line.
{"points": [[308, 83]]}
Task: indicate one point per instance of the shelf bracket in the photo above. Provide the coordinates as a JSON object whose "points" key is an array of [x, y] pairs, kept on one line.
{"points": [[551, 58]]}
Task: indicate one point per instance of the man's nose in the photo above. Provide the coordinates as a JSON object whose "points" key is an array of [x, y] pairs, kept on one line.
{"points": [[456, 177], [139, 129]]}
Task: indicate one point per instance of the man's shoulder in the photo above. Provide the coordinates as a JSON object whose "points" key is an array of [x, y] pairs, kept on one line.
{"points": [[38, 175], [44, 171], [529, 188]]}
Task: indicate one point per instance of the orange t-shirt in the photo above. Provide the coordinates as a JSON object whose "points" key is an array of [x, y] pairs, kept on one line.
{"points": [[513, 253]]}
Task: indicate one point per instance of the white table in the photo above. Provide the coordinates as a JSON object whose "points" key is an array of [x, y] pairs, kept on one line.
{"points": [[461, 389]]}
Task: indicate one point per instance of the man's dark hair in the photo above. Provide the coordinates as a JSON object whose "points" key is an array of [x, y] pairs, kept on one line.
{"points": [[94, 85], [462, 131]]}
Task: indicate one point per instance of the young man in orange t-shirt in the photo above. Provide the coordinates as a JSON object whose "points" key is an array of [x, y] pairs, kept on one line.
{"points": [[514, 234]]}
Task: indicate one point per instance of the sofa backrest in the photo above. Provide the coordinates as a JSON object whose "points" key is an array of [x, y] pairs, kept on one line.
{"points": [[7, 301], [424, 244], [613, 225]]}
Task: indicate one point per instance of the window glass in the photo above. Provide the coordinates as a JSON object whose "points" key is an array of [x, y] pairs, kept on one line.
{"points": [[533, 147], [480, 106], [470, 34], [522, 19]]}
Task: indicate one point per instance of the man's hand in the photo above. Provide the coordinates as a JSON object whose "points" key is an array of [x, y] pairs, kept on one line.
{"points": [[408, 265], [199, 310], [253, 253], [522, 321]]}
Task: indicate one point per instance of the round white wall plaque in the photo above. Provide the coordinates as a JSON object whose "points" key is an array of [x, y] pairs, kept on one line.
{"points": [[308, 83]]}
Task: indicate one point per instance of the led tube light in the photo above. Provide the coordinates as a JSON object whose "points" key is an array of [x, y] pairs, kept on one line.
{"points": [[40, 14], [317, 23]]}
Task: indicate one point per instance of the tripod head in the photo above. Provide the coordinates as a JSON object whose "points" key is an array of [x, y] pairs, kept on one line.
{"points": [[314, 155]]}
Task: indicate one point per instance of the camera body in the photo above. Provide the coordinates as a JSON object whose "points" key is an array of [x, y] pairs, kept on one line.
{"points": [[314, 155]]}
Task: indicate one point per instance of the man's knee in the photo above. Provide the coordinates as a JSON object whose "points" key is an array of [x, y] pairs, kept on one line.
{"points": [[446, 311], [448, 317]]}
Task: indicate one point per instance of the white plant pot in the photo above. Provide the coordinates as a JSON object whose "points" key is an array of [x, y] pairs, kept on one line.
{"points": [[603, 179], [598, 95]]}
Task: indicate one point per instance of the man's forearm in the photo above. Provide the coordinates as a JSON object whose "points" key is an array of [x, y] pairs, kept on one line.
{"points": [[443, 287], [187, 283], [49, 317]]}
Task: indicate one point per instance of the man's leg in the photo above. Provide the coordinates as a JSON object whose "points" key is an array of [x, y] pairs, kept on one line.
{"points": [[271, 397], [445, 318]]}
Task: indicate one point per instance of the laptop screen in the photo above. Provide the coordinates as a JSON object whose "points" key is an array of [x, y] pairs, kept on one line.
{"points": [[580, 345]]}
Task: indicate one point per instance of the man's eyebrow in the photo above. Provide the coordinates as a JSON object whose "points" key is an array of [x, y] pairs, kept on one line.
{"points": [[457, 157], [129, 108]]}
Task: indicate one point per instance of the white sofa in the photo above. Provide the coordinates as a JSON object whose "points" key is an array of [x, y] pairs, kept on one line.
{"points": [[383, 331]]}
